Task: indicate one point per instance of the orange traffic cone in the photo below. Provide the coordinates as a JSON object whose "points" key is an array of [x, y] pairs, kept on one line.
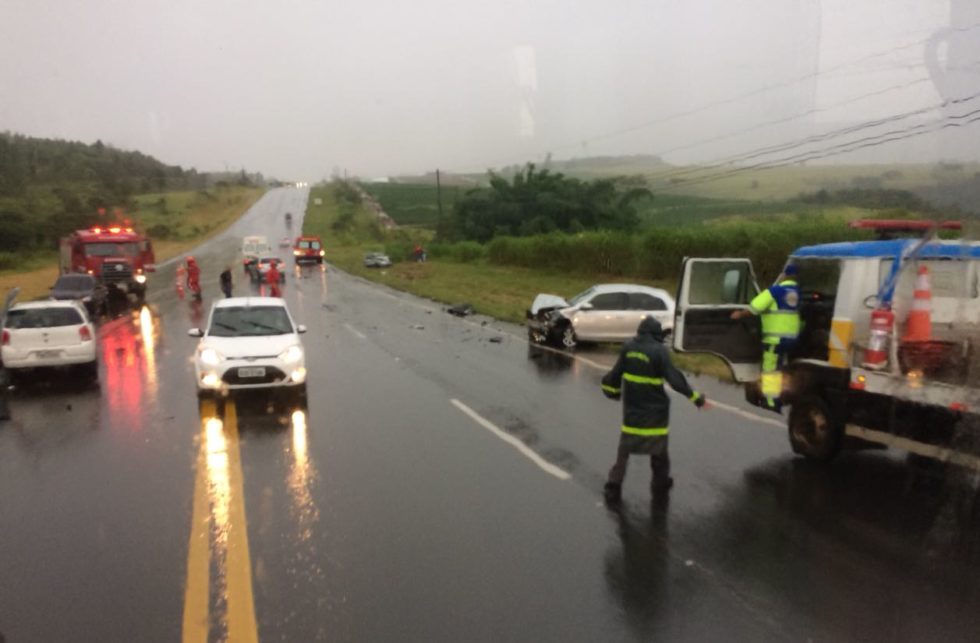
{"points": [[919, 325]]}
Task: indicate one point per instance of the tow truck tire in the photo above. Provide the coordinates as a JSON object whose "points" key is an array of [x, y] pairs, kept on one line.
{"points": [[813, 431]]}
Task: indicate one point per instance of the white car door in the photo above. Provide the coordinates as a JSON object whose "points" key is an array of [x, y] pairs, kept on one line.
{"points": [[601, 318], [643, 304]]}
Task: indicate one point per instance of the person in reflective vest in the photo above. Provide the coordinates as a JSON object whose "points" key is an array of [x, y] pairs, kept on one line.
{"points": [[638, 379], [778, 306]]}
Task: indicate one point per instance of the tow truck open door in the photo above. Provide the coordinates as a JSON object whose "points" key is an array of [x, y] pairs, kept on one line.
{"points": [[710, 290]]}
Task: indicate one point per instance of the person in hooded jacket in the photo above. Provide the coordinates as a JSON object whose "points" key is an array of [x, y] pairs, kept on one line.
{"points": [[638, 379]]}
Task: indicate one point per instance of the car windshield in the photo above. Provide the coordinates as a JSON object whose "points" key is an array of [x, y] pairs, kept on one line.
{"points": [[309, 245], [74, 282], [582, 296], [23, 318], [249, 321], [111, 249], [269, 261]]}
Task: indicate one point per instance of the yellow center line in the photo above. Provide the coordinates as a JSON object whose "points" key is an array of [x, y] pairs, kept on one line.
{"points": [[219, 503], [195, 628], [241, 603]]}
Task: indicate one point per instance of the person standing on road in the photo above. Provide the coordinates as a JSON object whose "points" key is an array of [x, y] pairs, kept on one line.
{"points": [[273, 277], [779, 308], [225, 279], [638, 379], [193, 277]]}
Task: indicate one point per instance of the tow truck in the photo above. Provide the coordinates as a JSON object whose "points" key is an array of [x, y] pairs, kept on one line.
{"points": [[117, 255], [855, 377]]}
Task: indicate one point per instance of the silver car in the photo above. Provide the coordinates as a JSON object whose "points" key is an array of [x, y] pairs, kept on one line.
{"points": [[603, 313], [376, 260]]}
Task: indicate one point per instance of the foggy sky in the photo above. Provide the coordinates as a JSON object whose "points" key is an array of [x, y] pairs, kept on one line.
{"points": [[296, 88]]}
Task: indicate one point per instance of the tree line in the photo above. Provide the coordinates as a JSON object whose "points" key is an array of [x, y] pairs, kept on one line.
{"points": [[537, 201], [49, 187]]}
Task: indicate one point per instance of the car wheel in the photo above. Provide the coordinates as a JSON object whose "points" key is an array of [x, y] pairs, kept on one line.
{"points": [[813, 431], [567, 337]]}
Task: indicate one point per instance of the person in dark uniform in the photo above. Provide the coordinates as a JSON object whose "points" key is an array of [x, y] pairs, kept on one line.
{"points": [[226, 281], [638, 379]]}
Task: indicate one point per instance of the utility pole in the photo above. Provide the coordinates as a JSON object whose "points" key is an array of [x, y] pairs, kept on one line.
{"points": [[439, 201]]}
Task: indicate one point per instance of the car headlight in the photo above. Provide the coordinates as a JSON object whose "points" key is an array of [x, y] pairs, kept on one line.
{"points": [[210, 357], [323, 252], [210, 380], [297, 252], [292, 354], [140, 279]]}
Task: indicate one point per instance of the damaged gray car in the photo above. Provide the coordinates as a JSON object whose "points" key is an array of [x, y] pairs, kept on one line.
{"points": [[603, 313]]}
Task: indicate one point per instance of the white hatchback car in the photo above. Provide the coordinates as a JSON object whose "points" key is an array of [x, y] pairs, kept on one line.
{"points": [[49, 334], [603, 313], [250, 343]]}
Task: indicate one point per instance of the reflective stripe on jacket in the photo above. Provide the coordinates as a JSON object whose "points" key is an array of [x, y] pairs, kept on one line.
{"points": [[638, 377], [779, 309]]}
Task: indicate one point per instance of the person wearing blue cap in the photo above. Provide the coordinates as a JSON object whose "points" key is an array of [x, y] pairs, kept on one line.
{"points": [[778, 306]]}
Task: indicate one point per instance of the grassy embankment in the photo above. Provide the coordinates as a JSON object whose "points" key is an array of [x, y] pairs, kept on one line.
{"points": [[500, 291], [178, 221]]}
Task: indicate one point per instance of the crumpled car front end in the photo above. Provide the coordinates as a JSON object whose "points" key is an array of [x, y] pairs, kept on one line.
{"points": [[545, 316]]}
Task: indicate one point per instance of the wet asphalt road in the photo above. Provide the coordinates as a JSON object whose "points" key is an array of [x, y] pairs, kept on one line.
{"points": [[394, 508]]}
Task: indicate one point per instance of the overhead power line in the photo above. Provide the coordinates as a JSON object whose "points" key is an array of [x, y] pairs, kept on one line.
{"points": [[954, 121], [817, 138], [734, 99]]}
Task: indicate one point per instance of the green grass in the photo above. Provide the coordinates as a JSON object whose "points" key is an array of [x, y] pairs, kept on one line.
{"points": [[414, 204]]}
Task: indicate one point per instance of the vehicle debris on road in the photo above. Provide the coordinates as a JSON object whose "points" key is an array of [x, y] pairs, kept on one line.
{"points": [[460, 310]]}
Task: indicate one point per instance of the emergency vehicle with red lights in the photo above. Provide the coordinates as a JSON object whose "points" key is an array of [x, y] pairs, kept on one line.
{"points": [[116, 255], [888, 352]]}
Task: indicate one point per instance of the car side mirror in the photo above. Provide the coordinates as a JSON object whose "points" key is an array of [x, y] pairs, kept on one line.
{"points": [[195, 332], [586, 306], [300, 328]]}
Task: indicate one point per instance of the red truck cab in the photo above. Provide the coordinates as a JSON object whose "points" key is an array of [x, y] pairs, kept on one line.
{"points": [[115, 255], [308, 248]]}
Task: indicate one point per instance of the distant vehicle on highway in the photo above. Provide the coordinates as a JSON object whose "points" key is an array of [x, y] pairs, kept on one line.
{"points": [[259, 270], [84, 288], [39, 336], [250, 343], [376, 260], [253, 247], [289, 218], [308, 248], [603, 313]]}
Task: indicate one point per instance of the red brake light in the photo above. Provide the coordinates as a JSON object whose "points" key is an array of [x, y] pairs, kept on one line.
{"points": [[6, 337], [84, 334]]}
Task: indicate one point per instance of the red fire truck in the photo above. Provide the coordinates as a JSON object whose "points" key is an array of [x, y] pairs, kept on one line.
{"points": [[116, 255]]}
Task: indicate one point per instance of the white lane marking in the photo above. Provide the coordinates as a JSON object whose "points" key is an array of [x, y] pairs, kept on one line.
{"points": [[746, 414], [546, 466], [355, 331]]}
